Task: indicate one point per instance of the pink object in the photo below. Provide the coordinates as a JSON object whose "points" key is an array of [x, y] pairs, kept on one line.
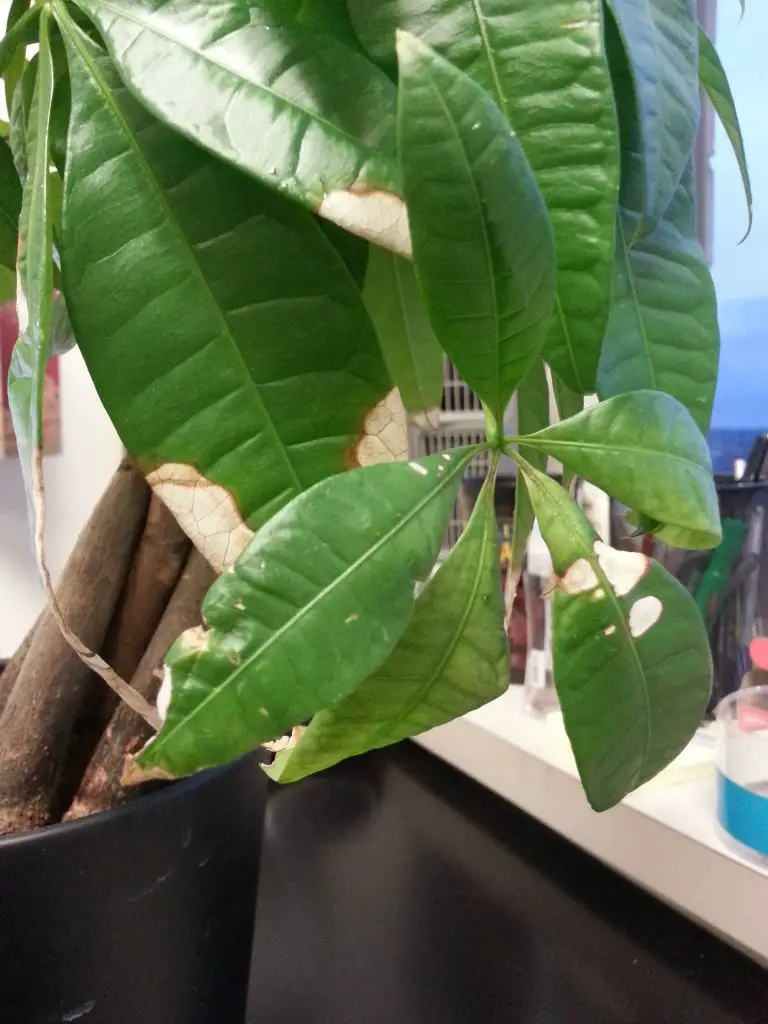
{"points": [[758, 652]]}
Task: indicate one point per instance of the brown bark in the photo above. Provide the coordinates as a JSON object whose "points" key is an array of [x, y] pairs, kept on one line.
{"points": [[10, 673], [37, 724], [162, 554], [157, 564], [127, 733]]}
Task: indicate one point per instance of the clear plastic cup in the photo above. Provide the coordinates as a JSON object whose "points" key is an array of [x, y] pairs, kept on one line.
{"points": [[742, 767]]}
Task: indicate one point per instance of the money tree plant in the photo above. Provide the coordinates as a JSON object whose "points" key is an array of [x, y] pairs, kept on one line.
{"points": [[269, 222]]}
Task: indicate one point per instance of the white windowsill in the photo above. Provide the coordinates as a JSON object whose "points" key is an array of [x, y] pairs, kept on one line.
{"points": [[664, 837]]}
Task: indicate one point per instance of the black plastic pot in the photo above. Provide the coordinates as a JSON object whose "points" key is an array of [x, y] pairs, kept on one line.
{"points": [[142, 915]]}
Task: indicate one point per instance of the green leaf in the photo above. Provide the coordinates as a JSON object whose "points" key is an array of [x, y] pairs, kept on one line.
{"points": [[544, 66], [26, 378], [19, 118], [715, 83], [7, 285], [411, 350], [631, 657], [180, 274], [296, 109], [645, 450], [660, 40], [482, 241], [22, 28], [568, 402], [330, 17], [453, 658], [10, 208], [352, 249], [663, 332], [532, 416], [313, 606]]}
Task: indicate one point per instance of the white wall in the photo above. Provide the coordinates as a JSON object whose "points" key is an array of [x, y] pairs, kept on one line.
{"points": [[74, 481]]}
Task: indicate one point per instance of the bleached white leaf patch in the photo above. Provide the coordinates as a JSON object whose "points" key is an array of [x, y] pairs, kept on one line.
{"points": [[204, 510], [385, 433], [624, 569], [643, 614], [379, 216]]}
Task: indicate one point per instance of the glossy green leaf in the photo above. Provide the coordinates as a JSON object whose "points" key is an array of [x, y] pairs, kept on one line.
{"points": [[22, 28], [644, 449], [482, 241], [10, 207], [353, 249], [532, 416], [299, 110], [314, 605], [544, 66], [225, 336], [663, 332], [630, 653], [26, 377], [715, 83], [411, 350], [453, 658], [660, 40], [330, 17]]}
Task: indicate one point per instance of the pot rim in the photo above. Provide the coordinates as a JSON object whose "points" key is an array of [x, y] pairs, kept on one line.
{"points": [[92, 821]]}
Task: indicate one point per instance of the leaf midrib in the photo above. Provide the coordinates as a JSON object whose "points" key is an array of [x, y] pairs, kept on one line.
{"points": [[531, 442], [497, 406], [164, 736], [637, 305], [154, 185], [407, 330]]}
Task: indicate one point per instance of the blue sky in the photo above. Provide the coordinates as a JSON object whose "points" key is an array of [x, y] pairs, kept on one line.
{"points": [[741, 271]]}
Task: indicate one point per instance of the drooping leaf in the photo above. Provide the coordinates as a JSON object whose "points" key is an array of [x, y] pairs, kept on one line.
{"points": [[532, 416], [21, 29], [715, 83], [313, 606], [19, 118], [411, 350], [297, 109], [453, 658], [62, 336], [660, 41], [645, 450], [10, 207], [631, 657], [544, 66], [482, 241], [226, 338], [26, 377], [663, 332]]}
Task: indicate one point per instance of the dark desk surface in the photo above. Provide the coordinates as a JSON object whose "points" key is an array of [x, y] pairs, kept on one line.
{"points": [[396, 891]]}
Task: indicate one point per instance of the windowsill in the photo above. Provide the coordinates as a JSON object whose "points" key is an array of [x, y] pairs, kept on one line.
{"points": [[664, 837]]}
